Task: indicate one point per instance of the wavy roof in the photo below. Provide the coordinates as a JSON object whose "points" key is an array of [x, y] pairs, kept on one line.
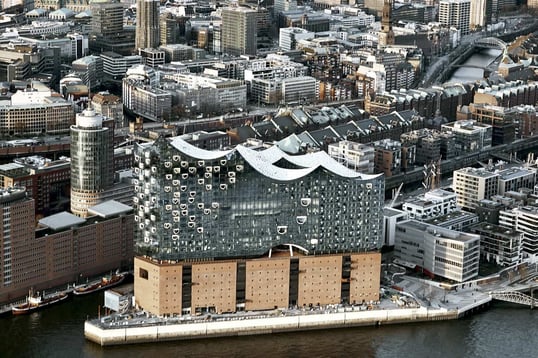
{"points": [[263, 161], [198, 153]]}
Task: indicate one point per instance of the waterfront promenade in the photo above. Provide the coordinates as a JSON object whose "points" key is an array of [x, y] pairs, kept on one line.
{"points": [[396, 308], [410, 299], [127, 329]]}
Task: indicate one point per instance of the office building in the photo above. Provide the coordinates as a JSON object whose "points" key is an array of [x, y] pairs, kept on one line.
{"points": [[89, 69], [311, 21], [284, 5], [115, 66], [374, 7], [152, 57], [172, 28], [455, 13], [356, 156], [515, 178], [433, 204], [207, 94], [147, 24], [469, 136], [458, 220], [504, 121], [142, 96], [391, 217], [239, 31], [527, 121], [107, 18], [222, 231], [499, 244], [437, 251], [110, 106], [92, 160], [472, 185], [388, 157], [523, 219], [72, 45], [488, 211], [480, 15], [25, 59], [34, 112], [428, 144], [327, 3], [290, 36]]}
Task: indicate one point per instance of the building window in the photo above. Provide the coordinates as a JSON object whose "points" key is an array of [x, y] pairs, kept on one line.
{"points": [[143, 273]]}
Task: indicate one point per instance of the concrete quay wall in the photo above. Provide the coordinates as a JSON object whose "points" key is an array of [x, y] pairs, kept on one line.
{"points": [[94, 332]]}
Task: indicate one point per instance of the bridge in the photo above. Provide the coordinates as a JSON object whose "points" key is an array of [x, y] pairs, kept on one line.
{"points": [[490, 42], [515, 297], [484, 67]]}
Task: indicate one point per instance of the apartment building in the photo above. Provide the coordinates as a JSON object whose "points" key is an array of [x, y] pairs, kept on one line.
{"points": [[472, 185]]}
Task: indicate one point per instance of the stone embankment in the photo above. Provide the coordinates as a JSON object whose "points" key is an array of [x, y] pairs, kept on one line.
{"points": [[126, 332]]}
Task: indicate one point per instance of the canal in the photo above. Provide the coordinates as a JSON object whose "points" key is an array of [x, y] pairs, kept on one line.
{"points": [[469, 71]]}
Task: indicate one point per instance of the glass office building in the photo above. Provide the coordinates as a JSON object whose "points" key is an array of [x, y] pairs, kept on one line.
{"points": [[92, 161]]}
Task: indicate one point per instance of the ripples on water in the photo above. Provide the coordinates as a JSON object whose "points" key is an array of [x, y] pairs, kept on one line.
{"points": [[506, 331], [502, 331]]}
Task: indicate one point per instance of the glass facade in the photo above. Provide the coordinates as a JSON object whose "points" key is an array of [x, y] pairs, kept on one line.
{"points": [[92, 161], [195, 204], [91, 154]]}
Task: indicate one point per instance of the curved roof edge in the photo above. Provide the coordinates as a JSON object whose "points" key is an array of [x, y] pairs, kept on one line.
{"points": [[263, 161], [199, 153]]}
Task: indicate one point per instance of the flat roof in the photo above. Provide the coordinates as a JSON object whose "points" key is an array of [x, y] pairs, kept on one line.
{"points": [[109, 208], [513, 173], [476, 172], [11, 166], [388, 212], [61, 221], [440, 232]]}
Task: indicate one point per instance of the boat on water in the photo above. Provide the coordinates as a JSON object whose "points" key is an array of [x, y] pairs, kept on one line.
{"points": [[36, 302], [103, 283]]}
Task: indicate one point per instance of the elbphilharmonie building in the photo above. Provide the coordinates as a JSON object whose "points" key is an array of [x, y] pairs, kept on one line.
{"points": [[245, 228]]}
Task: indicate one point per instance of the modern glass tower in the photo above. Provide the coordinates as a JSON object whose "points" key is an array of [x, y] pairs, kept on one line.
{"points": [[92, 161]]}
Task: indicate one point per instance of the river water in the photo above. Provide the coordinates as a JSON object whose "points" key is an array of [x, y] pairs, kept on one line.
{"points": [[471, 74], [502, 331]]}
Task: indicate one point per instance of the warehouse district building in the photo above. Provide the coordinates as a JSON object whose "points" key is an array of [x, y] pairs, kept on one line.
{"points": [[247, 229], [62, 248]]}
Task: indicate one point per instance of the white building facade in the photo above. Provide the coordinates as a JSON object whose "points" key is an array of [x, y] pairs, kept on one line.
{"points": [[455, 13], [438, 251], [472, 185]]}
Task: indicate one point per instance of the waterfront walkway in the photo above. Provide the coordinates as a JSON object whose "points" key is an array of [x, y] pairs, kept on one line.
{"points": [[410, 299], [419, 302]]}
